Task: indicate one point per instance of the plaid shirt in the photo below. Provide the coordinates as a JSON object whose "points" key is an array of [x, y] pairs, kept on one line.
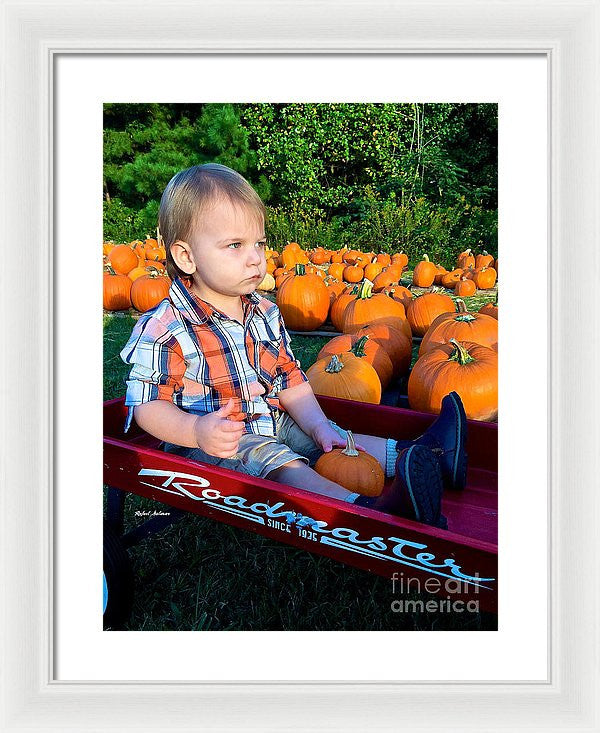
{"points": [[187, 351]]}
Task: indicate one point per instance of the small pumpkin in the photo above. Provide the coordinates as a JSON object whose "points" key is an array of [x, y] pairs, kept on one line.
{"points": [[353, 273], [400, 259], [424, 273], [336, 269], [267, 283], [372, 270], [345, 376], [148, 291], [357, 471], [450, 279], [465, 259], [465, 287], [122, 259], [485, 278], [484, 260]]}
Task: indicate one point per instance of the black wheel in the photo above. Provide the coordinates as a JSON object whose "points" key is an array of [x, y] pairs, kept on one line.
{"points": [[118, 582]]}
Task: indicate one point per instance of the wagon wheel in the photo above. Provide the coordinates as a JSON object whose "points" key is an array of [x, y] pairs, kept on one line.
{"points": [[117, 581]]}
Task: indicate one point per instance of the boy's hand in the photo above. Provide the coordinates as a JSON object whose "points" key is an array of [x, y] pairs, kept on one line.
{"points": [[219, 433], [327, 438]]}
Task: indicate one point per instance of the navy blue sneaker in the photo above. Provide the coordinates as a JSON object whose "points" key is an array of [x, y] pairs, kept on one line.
{"points": [[416, 491], [447, 438]]}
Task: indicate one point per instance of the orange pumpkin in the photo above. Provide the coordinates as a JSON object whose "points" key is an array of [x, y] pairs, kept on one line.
{"points": [[424, 273], [369, 308], [484, 260], [400, 293], [465, 259], [336, 269], [485, 279], [148, 291], [469, 369], [383, 259], [353, 274], [400, 259], [365, 348], [441, 271], [339, 306], [345, 376], [116, 290], [303, 300], [357, 471], [372, 270], [450, 279], [293, 255], [123, 259], [397, 343], [465, 287], [477, 328], [490, 309], [385, 279], [422, 311]]}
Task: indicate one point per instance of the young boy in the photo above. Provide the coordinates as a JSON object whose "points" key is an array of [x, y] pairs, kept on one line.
{"points": [[214, 377]]}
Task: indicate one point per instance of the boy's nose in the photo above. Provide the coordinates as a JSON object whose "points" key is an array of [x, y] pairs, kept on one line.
{"points": [[254, 257]]}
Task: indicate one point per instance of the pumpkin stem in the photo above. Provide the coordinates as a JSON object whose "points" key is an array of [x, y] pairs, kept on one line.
{"points": [[461, 355], [300, 269], [460, 306], [350, 449], [426, 258], [365, 290], [335, 365], [359, 347], [109, 268]]}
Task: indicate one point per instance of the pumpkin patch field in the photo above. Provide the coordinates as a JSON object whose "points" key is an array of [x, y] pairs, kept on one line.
{"points": [[418, 333]]}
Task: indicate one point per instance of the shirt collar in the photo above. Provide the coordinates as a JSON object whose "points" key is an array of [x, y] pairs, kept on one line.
{"points": [[198, 311]]}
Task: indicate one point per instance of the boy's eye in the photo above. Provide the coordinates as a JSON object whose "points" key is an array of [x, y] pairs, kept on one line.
{"points": [[235, 245], [262, 244]]}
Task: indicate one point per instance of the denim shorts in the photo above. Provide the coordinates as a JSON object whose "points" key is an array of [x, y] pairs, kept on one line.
{"points": [[258, 455]]}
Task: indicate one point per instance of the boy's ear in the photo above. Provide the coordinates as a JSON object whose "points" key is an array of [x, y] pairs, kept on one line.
{"points": [[183, 257]]}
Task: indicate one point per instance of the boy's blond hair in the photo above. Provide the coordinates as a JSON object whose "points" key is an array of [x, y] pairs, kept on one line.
{"points": [[189, 193]]}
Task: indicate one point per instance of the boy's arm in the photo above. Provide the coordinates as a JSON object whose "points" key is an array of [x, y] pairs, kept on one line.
{"points": [[301, 404], [214, 433], [167, 422]]}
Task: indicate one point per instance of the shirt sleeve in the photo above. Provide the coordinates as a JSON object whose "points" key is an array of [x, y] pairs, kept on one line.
{"points": [[157, 365], [288, 372]]}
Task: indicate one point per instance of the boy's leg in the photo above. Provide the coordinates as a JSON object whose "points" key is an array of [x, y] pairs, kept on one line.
{"points": [[299, 474]]}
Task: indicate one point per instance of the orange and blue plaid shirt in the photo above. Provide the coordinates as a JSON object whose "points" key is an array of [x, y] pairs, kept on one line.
{"points": [[189, 352]]}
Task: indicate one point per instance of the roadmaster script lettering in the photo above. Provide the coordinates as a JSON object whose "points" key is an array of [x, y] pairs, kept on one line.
{"points": [[275, 516]]}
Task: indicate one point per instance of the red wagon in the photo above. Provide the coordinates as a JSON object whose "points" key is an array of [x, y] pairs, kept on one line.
{"points": [[460, 563]]}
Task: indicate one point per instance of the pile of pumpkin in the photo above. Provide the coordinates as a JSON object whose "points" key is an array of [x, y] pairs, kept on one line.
{"points": [[458, 351], [134, 275], [472, 273], [339, 271]]}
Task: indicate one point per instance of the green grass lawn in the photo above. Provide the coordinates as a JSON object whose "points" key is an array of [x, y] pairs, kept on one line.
{"points": [[200, 574]]}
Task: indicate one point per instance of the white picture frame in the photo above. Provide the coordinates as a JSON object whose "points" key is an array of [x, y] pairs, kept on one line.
{"points": [[33, 34]]}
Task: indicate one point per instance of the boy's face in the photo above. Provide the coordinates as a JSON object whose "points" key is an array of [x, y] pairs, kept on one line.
{"points": [[225, 253]]}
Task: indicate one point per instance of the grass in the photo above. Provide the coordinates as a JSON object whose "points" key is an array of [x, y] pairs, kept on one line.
{"points": [[202, 575]]}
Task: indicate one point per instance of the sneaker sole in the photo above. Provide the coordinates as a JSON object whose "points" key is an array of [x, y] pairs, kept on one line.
{"points": [[426, 496], [459, 469]]}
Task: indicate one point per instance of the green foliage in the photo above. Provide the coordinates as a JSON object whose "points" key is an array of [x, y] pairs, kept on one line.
{"points": [[386, 226], [417, 177]]}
